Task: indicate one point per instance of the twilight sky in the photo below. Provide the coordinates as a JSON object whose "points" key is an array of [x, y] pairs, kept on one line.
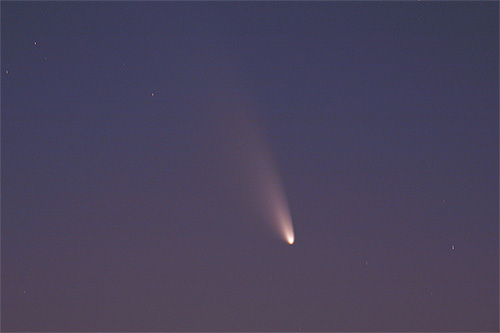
{"points": [[145, 146]]}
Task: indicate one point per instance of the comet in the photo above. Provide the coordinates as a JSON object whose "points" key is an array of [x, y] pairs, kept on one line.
{"points": [[248, 154], [281, 217], [271, 189], [260, 179], [290, 238]]}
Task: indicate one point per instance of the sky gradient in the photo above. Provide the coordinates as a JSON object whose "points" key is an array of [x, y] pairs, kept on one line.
{"points": [[134, 136]]}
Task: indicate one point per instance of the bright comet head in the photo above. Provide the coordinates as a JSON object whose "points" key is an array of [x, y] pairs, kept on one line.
{"points": [[281, 214], [287, 229]]}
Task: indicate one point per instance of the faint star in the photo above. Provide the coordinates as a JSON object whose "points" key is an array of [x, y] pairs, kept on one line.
{"points": [[152, 94], [453, 247], [6, 72], [34, 43]]}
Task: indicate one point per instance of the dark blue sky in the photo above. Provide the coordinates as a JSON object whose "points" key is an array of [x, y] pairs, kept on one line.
{"points": [[127, 141]]}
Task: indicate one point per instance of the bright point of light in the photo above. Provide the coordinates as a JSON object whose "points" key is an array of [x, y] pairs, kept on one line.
{"points": [[282, 216], [279, 210]]}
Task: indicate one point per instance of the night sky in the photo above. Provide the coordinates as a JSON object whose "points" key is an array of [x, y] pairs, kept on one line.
{"points": [[135, 140]]}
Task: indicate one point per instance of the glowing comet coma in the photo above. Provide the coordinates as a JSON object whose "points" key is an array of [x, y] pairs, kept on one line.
{"points": [[275, 201], [243, 139], [282, 217]]}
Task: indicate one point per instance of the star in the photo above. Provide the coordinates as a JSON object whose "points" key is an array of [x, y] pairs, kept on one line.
{"points": [[453, 247], [152, 94]]}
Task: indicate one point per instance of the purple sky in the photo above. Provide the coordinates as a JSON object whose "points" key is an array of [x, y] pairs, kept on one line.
{"points": [[129, 192]]}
